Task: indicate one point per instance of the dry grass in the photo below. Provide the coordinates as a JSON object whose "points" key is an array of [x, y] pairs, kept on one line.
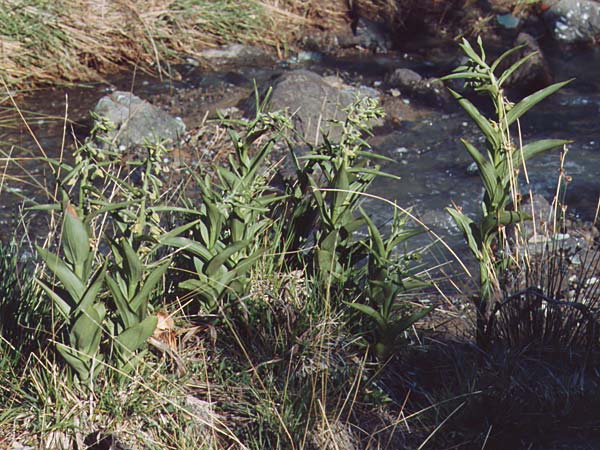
{"points": [[43, 42]]}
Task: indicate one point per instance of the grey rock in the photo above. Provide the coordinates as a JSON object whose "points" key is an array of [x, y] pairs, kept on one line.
{"points": [[313, 101], [573, 21], [403, 78], [428, 90], [535, 72], [236, 55], [372, 36], [543, 229], [136, 121]]}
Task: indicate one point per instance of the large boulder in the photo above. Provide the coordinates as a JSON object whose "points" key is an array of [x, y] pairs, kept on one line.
{"points": [[136, 121], [313, 101], [574, 20]]}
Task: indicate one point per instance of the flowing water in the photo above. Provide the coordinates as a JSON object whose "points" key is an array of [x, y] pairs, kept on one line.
{"points": [[430, 161]]}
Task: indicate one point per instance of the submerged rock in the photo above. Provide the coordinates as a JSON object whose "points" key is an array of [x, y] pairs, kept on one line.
{"points": [[236, 55], [136, 121], [410, 84], [574, 20]]}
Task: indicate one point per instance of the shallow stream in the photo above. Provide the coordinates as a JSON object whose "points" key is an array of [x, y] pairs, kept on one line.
{"points": [[431, 163]]}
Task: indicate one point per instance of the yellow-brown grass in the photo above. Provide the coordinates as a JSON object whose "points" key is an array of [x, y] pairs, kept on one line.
{"points": [[80, 40]]}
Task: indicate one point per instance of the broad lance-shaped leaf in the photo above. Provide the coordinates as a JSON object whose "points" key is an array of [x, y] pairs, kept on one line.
{"points": [[466, 46], [126, 314], [505, 55], [66, 276], [216, 262], [132, 265], [189, 245], [76, 242], [405, 323], [469, 230], [80, 363], [87, 330], [135, 337], [91, 293], [481, 121], [63, 307], [340, 197], [370, 312], [486, 169], [375, 235], [508, 72], [140, 301], [537, 147], [530, 101]]}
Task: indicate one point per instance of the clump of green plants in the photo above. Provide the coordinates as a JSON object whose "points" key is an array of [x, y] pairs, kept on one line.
{"points": [[498, 166], [291, 296], [103, 296]]}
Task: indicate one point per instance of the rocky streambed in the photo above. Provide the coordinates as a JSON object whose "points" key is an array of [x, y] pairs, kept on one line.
{"points": [[420, 133]]}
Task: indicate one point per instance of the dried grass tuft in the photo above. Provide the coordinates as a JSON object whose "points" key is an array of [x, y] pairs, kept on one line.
{"points": [[83, 40]]}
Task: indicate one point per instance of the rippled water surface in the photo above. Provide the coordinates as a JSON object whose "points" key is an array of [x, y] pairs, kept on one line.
{"points": [[431, 163]]}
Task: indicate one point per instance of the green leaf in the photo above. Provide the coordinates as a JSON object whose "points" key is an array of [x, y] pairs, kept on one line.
{"points": [[508, 72], [189, 245], [328, 263], [133, 265], [486, 169], [407, 322], [69, 280], [140, 302], [375, 235], [492, 221], [135, 337], [76, 242], [63, 306], [480, 120], [530, 101], [466, 46], [464, 75], [505, 55], [370, 312], [127, 316], [87, 330], [537, 147], [469, 230], [91, 293], [80, 363], [217, 261]]}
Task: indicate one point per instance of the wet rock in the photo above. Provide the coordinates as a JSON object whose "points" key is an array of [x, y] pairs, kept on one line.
{"points": [[428, 90], [236, 55], [533, 74], [136, 121], [403, 78], [313, 101], [371, 35], [573, 21], [543, 228]]}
